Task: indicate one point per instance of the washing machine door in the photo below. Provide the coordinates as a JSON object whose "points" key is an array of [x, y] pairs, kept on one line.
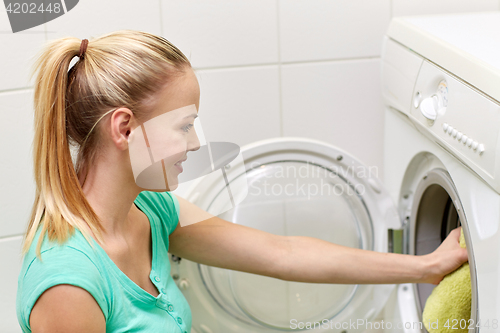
{"points": [[297, 187]]}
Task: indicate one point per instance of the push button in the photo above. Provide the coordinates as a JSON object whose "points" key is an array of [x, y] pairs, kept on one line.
{"points": [[480, 149], [160, 302]]}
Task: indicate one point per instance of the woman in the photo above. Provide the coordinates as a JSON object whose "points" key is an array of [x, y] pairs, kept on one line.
{"points": [[103, 264]]}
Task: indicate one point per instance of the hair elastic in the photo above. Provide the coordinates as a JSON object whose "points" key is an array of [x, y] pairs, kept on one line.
{"points": [[81, 55], [83, 48]]}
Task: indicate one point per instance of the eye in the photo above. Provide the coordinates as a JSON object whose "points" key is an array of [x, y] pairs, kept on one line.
{"points": [[187, 127]]}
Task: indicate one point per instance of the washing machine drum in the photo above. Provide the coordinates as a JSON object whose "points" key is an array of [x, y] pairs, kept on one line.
{"points": [[301, 188]]}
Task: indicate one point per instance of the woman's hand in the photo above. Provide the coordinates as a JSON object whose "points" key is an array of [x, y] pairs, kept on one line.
{"points": [[445, 259]]}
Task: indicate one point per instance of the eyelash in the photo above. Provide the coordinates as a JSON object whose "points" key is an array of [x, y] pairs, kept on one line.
{"points": [[187, 128]]}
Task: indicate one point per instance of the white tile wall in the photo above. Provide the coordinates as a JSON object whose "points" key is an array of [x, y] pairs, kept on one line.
{"points": [[17, 53], [240, 105], [338, 102], [92, 18], [429, 7], [325, 29], [17, 187], [220, 33], [10, 261]]}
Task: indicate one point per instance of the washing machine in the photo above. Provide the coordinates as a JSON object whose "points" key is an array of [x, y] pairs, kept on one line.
{"points": [[441, 88]]}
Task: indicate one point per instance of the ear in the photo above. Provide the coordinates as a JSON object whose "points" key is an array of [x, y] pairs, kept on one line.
{"points": [[122, 123]]}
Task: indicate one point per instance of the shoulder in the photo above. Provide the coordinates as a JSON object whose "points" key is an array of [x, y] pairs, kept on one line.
{"points": [[165, 200], [72, 263], [165, 205], [67, 308]]}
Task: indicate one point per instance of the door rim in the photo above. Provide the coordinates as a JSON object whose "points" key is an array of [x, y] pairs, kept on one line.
{"points": [[321, 150]]}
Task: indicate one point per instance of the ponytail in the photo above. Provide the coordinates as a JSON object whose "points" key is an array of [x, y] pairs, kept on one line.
{"points": [[124, 68], [60, 204]]}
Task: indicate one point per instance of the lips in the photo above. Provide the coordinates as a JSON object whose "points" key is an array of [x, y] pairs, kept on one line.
{"points": [[178, 165]]}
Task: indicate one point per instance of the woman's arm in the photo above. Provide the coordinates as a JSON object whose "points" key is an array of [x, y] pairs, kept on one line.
{"points": [[66, 308], [315, 260], [219, 243]]}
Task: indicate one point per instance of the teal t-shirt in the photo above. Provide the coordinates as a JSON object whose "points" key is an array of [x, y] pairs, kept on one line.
{"points": [[126, 306]]}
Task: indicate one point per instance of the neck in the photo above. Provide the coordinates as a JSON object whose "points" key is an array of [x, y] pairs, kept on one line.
{"points": [[111, 190]]}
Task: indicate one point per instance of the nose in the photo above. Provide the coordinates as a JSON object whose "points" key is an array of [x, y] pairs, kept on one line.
{"points": [[194, 142]]}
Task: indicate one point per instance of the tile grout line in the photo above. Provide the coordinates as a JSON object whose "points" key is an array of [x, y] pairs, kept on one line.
{"points": [[10, 237], [280, 85], [161, 18], [22, 89], [279, 63]]}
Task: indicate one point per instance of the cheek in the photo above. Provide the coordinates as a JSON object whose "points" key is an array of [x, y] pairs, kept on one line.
{"points": [[175, 150]]}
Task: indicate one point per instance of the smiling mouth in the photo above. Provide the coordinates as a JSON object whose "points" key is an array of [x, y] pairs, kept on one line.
{"points": [[180, 162], [179, 165]]}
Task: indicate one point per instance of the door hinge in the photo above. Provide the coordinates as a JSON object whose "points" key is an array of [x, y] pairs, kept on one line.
{"points": [[398, 239]]}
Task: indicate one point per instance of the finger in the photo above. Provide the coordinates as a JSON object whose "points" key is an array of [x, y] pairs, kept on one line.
{"points": [[455, 234], [465, 256], [451, 241]]}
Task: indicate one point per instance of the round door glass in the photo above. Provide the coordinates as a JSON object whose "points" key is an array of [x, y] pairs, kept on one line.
{"points": [[292, 198]]}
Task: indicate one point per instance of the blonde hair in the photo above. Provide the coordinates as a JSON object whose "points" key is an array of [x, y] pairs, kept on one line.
{"points": [[121, 69]]}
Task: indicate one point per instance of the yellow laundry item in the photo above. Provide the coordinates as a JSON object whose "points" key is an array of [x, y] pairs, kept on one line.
{"points": [[449, 304]]}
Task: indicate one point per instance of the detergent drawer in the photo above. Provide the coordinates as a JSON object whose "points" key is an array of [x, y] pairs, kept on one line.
{"points": [[400, 67]]}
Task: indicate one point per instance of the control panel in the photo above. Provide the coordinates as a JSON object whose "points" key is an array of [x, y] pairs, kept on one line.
{"points": [[466, 141], [460, 118]]}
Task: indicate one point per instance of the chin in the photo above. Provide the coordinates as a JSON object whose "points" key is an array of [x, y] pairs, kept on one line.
{"points": [[173, 187], [173, 182]]}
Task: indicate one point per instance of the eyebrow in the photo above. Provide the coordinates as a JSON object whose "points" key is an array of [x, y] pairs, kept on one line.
{"points": [[194, 115]]}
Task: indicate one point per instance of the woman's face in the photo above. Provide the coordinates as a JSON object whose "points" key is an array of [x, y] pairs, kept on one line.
{"points": [[169, 131]]}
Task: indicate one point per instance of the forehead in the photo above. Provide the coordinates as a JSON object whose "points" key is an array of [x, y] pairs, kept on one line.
{"points": [[179, 92]]}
